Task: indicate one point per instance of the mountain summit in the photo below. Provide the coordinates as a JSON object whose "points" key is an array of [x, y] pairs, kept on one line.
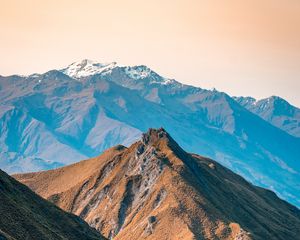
{"points": [[155, 190]]}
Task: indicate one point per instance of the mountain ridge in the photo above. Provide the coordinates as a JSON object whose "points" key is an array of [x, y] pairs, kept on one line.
{"points": [[155, 190]]}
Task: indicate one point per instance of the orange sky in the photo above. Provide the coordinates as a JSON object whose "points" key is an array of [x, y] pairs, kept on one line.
{"points": [[243, 47]]}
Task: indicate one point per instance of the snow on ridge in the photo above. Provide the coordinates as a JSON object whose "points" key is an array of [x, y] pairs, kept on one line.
{"points": [[138, 72], [142, 72]]}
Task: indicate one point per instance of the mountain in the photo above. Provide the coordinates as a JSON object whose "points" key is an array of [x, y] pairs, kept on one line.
{"points": [[53, 119], [156, 190], [276, 111], [25, 215]]}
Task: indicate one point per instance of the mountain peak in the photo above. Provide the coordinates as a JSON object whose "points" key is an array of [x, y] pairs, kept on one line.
{"points": [[153, 135], [276, 111], [278, 100], [86, 68], [160, 138]]}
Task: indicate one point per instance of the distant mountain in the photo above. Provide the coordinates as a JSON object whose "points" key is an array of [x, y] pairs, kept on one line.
{"points": [[25, 215], [156, 190], [276, 111], [53, 119]]}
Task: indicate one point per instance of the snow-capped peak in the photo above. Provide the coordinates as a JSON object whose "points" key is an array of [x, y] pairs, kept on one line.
{"points": [[86, 68]]}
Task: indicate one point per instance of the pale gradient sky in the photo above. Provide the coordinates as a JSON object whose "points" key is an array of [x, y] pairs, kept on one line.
{"points": [[242, 47]]}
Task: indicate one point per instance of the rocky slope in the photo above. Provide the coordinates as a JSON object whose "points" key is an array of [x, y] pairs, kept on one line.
{"points": [[276, 111], [60, 117], [156, 190], [25, 215]]}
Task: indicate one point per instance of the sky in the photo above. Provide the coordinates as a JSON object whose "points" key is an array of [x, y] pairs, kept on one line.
{"points": [[241, 47]]}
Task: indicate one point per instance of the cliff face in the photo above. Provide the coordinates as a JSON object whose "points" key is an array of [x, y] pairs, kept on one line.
{"points": [[25, 215], [156, 190]]}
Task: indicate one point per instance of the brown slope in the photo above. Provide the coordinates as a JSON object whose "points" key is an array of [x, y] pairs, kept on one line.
{"points": [[155, 190], [25, 215]]}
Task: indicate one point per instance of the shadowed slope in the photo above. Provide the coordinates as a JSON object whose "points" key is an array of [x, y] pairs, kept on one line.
{"points": [[156, 190], [24, 215]]}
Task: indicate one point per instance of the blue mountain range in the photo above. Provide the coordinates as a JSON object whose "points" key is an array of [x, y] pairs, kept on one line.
{"points": [[63, 116]]}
